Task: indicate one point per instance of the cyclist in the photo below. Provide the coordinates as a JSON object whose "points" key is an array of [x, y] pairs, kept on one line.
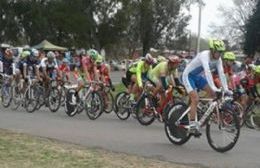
{"points": [[104, 72], [89, 66], [32, 62], [250, 81], [197, 75], [136, 73], [64, 69], [230, 69], [6, 60], [49, 68], [158, 75]]}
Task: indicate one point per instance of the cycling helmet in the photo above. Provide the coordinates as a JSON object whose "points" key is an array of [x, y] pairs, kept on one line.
{"points": [[25, 54], [217, 45], [99, 59], [149, 59], [35, 53], [65, 61], [257, 69], [93, 54], [82, 52], [51, 55], [174, 59], [229, 56]]}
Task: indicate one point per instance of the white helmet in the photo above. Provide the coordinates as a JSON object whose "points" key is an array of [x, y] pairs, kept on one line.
{"points": [[35, 53], [51, 55], [149, 59]]}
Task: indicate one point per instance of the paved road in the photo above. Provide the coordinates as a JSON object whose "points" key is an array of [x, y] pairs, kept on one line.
{"points": [[110, 133]]}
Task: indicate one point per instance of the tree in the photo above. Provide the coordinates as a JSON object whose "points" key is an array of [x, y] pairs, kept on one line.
{"points": [[234, 21], [252, 36]]}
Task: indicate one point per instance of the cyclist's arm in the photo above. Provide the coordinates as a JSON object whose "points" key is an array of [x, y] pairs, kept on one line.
{"points": [[222, 75], [139, 74], [37, 69], [205, 64], [24, 70]]}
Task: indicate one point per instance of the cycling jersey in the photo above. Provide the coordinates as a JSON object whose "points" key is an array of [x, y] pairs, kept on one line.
{"points": [[50, 67], [103, 70], [140, 70], [161, 68], [200, 68], [88, 65]]}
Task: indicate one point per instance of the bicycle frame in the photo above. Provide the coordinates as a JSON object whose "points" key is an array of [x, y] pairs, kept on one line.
{"points": [[213, 105]]}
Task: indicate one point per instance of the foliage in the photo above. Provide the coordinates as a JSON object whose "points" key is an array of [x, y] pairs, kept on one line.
{"points": [[110, 24], [252, 36]]}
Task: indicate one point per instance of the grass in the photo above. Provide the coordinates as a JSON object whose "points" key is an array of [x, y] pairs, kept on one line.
{"points": [[119, 88], [24, 151]]}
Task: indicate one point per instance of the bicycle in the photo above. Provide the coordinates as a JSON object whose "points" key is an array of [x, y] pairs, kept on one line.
{"points": [[217, 112], [148, 108], [89, 99], [108, 98]]}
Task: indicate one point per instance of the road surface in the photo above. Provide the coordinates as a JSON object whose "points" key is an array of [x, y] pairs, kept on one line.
{"points": [[109, 133]]}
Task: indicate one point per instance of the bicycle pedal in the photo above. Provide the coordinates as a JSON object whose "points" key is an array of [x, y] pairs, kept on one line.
{"points": [[196, 134]]}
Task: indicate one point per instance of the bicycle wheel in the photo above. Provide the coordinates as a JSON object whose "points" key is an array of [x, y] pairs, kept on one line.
{"points": [[16, 98], [6, 94], [71, 103], [144, 111], [108, 101], [254, 117], [31, 98], [222, 131], [40, 95], [176, 134], [94, 105], [238, 109], [54, 99], [122, 105]]}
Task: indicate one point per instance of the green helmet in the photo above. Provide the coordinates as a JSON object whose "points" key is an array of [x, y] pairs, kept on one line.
{"points": [[230, 56], [217, 45], [25, 54], [93, 54], [99, 59], [257, 69]]}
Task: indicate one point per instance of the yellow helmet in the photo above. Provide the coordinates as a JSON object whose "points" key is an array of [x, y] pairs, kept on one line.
{"points": [[99, 59], [230, 56]]}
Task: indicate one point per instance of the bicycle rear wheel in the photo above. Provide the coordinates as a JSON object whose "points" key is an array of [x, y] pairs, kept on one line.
{"points": [[223, 133], [176, 134], [6, 95], [121, 106]]}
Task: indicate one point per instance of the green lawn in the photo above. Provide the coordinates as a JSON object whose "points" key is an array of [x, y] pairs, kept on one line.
{"points": [[24, 151]]}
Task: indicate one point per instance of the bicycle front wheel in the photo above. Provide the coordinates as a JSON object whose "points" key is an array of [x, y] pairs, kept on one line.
{"points": [[94, 105], [254, 117], [108, 102], [31, 98], [54, 99], [6, 95], [223, 131], [144, 111]]}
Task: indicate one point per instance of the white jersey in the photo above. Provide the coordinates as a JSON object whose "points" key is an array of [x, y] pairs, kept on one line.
{"points": [[44, 61], [202, 65]]}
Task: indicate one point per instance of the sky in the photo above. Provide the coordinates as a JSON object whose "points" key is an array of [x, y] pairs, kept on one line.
{"points": [[210, 15]]}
